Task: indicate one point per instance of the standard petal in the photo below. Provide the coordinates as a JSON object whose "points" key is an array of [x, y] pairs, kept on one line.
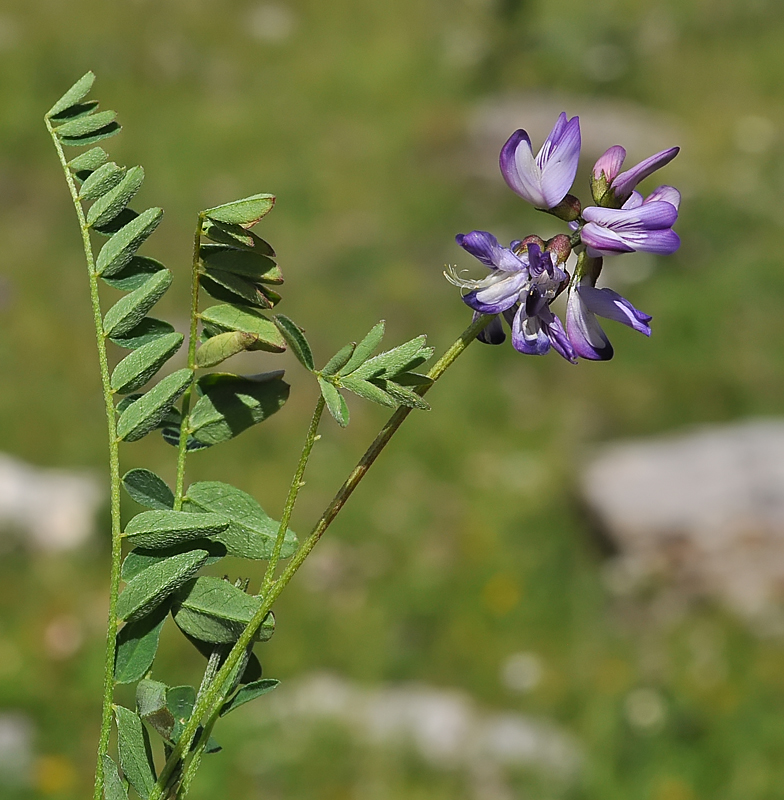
{"points": [[602, 241], [626, 181], [585, 334], [485, 247], [609, 163], [667, 194], [527, 334], [560, 167], [609, 304], [552, 140], [662, 243], [520, 170], [635, 201]]}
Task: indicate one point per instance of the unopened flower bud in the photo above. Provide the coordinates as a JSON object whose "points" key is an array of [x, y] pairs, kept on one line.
{"points": [[560, 247], [522, 247], [568, 209]]}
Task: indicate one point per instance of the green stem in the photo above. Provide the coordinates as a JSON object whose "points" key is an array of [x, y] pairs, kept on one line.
{"points": [[214, 698], [114, 470], [296, 485], [182, 451]]}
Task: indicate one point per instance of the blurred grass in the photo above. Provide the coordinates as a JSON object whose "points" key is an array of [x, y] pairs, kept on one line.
{"points": [[472, 546]]}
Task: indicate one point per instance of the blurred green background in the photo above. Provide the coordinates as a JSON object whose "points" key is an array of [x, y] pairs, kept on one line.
{"points": [[372, 123]]}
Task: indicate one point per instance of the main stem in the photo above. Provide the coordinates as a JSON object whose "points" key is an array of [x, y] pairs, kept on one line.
{"points": [[213, 698], [182, 451], [114, 471]]}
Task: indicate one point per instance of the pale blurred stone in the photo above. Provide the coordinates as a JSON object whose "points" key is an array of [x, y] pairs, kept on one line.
{"points": [[16, 748]]}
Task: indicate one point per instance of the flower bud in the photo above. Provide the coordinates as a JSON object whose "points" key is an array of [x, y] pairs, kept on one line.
{"points": [[522, 247], [560, 246], [568, 209]]}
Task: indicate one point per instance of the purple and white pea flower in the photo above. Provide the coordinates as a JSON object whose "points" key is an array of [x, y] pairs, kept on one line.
{"points": [[543, 180], [608, 178]]}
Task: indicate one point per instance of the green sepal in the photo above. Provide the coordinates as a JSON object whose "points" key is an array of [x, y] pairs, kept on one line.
{"points": [[137, 644], [148, 330], [213, 610], [339, 360], [114, 787], [133, 744], [144, 414], [245, 213], [148, 490], [247, 693], [296, 340], [104, 178], [79, 90], [365, 348], [154, 530], [230, 404], [122, 246], [108, 206], [247, 263], [129, 311], [139, 559], [335, 402], [231, 318], [218, 348], [139, 366], [251, 533], [89, 160], [134, 274]]}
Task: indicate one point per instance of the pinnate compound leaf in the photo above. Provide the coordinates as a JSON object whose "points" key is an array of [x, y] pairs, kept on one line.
{"points": [[247, 263], [90, 160], [134, 273], [120, 249], [104, 178], [296, 340], [133, 744], [339, 360], [129, 311], [140, 559], [236, 236], [108, 206], [247, 693], [251, 533], [78, 91], [245, 213], [85, 126], [368, 391], [138, 367], [113, 786], [393, 361], [137, 644], [154, 530], [365, 348], [223, 346], [231, 318], [230, 404], [335, 402], [148, 490], [144, 414], [213, 610], [148, 330]]}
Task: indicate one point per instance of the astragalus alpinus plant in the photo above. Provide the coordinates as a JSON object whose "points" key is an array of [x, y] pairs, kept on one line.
{"points": [[158, 557]]}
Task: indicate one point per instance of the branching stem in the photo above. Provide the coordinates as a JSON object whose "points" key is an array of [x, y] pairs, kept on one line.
{"points": [[114, 471]]}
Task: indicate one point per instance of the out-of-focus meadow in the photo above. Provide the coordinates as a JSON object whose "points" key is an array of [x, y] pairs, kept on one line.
{"points": [[465, 562]]}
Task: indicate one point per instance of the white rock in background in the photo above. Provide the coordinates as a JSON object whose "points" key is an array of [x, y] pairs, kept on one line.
{"points": [[704, 509], [16, 748], [53, 509]]}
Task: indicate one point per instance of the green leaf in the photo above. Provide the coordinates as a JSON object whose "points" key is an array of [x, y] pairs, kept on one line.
{"points": [[147, 489], [113, 785], [365, 348], [251, 533], [223, 346], [236, 236], [79, 90], [233, 288], [89, 160], [137, 644], [247, 693], [148, 330], [180, 701], [157, 529], [393, 361], [134, 273], [135, 754], [91, 138], [296, 340], [75, 111], [213, 610], [404, 396], [335, 402], [230, 404], [151, 707], [138, 367], [231, 318], [120, 249], [245, 213], [413, 379], [85, 126], [140, 559], [115, 224], [369, 391], [106, 177], [142, 416], [113, 202], [339, 360], [152, 586], [247, 263], [129, 311]]}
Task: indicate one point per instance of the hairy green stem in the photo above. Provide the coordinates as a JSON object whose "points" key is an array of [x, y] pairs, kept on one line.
{"points": [[182, 450], [296, 485], [209, 705], [114, 471]]}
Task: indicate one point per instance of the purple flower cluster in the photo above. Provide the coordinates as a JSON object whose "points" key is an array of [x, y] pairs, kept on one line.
{"points": [[528, 275]]}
